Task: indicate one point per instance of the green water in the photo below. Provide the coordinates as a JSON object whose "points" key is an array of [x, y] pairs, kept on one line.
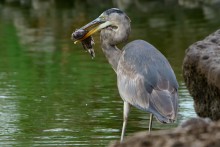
{"points": [[53, 94]]}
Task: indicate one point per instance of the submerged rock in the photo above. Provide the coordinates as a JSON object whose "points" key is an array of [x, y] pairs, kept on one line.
{"points": [[195, 132], [201, 72]]}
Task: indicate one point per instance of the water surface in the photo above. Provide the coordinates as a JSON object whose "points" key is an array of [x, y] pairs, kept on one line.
{"points": [[53, 94]]}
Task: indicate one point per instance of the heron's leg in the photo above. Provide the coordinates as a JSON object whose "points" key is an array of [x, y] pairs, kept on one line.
{"points": [[150, 123], [125, 118]]}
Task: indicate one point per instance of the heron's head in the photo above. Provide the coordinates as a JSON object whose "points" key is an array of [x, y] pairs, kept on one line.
{"points": [[114, 25]]}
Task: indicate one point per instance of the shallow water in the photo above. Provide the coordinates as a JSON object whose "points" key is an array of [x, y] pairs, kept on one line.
{"points": [[53, 94]]}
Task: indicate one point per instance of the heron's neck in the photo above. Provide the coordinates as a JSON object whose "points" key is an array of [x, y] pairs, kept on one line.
{"points": [[112, 53]]}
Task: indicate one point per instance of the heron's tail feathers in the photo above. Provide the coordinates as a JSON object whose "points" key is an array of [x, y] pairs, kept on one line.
{"points": [[164, 105]]}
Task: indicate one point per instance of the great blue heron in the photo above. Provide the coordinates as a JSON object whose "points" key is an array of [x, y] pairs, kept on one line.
{"points": [[145, 78]]}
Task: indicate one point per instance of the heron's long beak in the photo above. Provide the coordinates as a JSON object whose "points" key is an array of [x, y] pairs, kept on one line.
{"points": [[98, 24]]}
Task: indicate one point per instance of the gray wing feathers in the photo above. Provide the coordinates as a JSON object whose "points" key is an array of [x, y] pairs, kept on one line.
{"points": [[165, 103], [146, 80], [132, 90]]}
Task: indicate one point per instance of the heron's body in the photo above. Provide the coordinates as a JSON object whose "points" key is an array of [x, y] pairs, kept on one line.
{"points": [[149, 85], [145, 78]]}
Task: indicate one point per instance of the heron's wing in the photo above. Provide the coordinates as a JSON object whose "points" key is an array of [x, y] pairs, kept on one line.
{"points": [[146, 80], [132, 89], [164, 104]]}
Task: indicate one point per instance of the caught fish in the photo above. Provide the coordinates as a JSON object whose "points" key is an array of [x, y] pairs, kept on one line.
{"points": [[87, 43]]}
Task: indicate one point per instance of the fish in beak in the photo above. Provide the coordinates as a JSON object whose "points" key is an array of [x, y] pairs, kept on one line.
{"points": [[84, 34], [87, 43]]}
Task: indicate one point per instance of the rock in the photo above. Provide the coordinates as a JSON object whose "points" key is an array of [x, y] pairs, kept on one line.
{"points": [[201, 72], [196, 132], [195, 122]]}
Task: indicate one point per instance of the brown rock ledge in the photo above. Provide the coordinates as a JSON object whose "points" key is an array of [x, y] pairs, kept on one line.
{"points": [[195, 132]]}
